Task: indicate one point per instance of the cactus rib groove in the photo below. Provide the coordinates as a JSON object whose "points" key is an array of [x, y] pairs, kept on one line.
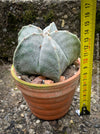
{"points": [[45, 52]]}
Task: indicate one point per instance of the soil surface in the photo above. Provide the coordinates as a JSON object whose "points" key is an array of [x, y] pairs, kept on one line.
{"points": [[37, 79], [16, 117]]}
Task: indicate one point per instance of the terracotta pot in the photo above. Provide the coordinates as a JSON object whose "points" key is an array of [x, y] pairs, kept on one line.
{"points": [[51, 101]]}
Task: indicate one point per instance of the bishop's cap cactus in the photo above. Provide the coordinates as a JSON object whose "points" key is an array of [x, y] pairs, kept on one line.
{"points": [[45, 52]]}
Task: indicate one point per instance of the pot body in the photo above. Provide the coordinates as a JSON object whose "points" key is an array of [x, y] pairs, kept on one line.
{"points": [[48, 102]]}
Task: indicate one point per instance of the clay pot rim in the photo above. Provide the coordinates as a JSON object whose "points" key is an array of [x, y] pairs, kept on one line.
{"points": [[13, 72]]}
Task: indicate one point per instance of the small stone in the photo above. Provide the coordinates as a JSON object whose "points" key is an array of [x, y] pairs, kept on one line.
{"points": [[19, 77], [68, 130], [13, 94], [2, 110], [53, 123], [39, 12], [25, 78], [37, 121], [22, 115], [12, 89], [74, 66], [78, 89], [66, 27], [62, 78], [24, 130], [5, 30], [1, 81], [19, 126], [48, 81], [81, 117], [15, 88], [75, 97], [97, 125], [37, 18], [47, 132], [71, 113], [42, 77], [78, 112], [85, 130], [71, 122], [11, 8], [92, 93], [94, 109], [65, 16], [32, 78], [74, 10], [66, 123], [93, 100], [60, 122], [37, 80], [13, 42], [31, 131], [33, 117], [6, 126], [15, 116], [46, 125], [23, 107], [97, 132], [87, 124], [82, 126], [63, 23]]}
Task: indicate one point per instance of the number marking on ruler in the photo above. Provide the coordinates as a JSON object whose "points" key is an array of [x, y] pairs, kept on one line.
{"points": [[88, 11]]}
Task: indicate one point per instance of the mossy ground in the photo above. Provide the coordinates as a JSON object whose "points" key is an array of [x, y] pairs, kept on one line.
{"points": [[16, 15], [98, 21]]}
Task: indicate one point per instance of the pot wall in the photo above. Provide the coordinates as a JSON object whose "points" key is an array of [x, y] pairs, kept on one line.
{"points": [[48, 102]]}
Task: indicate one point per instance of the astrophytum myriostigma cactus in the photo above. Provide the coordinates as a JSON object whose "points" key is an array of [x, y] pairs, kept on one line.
{"points": [[45, 52]]}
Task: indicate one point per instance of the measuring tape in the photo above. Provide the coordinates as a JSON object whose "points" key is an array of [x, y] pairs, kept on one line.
{"points": [[88, 13]]}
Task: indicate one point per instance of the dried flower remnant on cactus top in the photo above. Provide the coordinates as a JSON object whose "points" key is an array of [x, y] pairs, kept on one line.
{"points": [[45, 52]]}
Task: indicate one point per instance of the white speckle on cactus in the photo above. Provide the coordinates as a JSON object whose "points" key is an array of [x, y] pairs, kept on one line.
{"points": [[45, 52], [46, 32], [41, 34], [49, 37], [54, 47]]}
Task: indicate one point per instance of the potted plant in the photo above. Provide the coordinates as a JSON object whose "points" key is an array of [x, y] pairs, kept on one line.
{"points": [[47, 53]]}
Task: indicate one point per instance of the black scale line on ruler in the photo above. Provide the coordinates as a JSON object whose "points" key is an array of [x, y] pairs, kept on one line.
{"points": [[88, 11]]}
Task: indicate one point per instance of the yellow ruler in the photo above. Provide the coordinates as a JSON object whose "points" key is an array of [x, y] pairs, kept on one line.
{"points": [[88, 13]]}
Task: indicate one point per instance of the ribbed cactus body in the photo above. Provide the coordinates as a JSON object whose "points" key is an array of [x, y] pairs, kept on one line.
{"points": [[45, 52]]}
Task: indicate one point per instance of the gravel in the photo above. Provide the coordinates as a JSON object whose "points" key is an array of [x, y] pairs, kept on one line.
{"points": [[16, 117]]}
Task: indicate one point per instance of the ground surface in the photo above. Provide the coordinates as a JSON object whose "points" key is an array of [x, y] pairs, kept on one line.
{"points": [[16, 118]]}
